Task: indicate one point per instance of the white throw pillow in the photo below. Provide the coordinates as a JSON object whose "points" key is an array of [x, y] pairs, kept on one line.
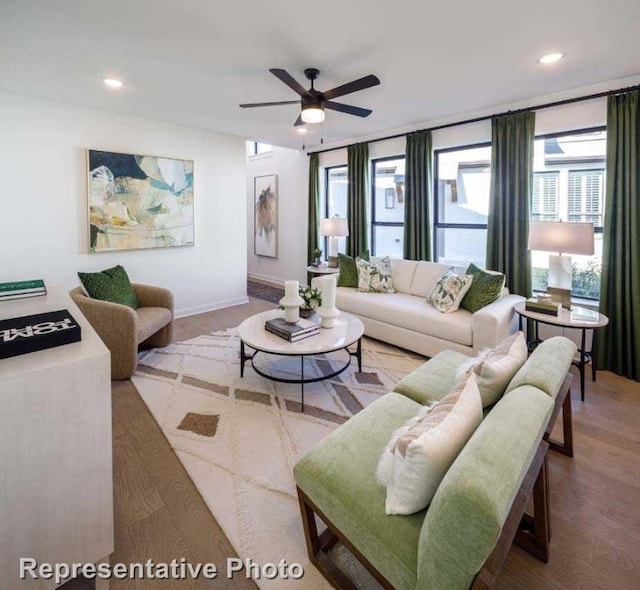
{"points": [[420, 453], [449, 291], [374, 278], [495, 367]]}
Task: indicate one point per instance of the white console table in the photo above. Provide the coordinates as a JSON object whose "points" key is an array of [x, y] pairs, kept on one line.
{"points": [[56, 474]]}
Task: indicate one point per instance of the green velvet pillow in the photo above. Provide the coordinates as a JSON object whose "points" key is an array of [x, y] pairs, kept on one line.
{"points": [[111, 285], [486, 288], [348, 276]]}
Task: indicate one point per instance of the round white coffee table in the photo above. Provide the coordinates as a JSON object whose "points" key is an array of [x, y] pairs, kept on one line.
{"points": [[347, 330]]}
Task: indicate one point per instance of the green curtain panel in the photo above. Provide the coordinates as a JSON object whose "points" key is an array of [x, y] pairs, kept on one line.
{"points": [[357, 198], [512, 139], [418, 187], [618, 345], [314, 206]]}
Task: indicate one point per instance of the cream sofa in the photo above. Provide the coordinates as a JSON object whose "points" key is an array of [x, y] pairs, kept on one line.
{"points": [[405, 318]]}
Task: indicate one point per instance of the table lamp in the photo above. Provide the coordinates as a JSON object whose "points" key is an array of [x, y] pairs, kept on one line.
{"points": [[563, 238], [334, 228]]}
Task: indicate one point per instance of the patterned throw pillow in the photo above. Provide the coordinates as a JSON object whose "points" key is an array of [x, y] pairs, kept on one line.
{"points": [[486, 288], [495, 367], [420, 453], [374, 278], [348, 276], [448, 292], [111, 285]]}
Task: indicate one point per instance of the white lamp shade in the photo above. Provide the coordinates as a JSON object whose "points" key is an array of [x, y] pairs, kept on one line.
{"points": [[335, 226], [558, 236]]}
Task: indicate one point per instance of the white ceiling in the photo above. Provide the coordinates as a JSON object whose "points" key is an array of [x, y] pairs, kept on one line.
{"points": [[191, 62]]}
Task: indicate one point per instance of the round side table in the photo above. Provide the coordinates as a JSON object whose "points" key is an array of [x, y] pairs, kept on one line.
{"points": [[578, 318], [323, 269]]}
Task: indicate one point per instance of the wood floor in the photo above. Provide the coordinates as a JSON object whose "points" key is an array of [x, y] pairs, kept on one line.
{"points": [[595, 497]]}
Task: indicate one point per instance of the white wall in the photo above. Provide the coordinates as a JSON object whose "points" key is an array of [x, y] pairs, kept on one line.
{"points": [[292, 168], [43, 219]]}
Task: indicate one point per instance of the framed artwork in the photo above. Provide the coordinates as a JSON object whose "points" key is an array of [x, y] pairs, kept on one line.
{"points": [[138, 202], [265, 233]]}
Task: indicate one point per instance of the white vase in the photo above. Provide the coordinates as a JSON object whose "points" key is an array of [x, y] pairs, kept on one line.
{"points": [[291, 302], [328, 311]]}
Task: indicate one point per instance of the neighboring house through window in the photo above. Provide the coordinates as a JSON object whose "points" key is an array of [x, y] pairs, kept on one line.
{"points": [[387, 206]]}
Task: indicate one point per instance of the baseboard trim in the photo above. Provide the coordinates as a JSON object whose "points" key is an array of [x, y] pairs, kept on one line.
{"points": [[183, 313], [269, 282]]}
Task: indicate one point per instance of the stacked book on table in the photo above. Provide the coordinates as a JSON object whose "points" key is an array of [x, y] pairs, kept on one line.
{"points": [[292, 332], [22, 289], [550, 308]]}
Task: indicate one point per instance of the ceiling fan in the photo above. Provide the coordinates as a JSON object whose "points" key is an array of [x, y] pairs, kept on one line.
{"points": [[314, 102]]}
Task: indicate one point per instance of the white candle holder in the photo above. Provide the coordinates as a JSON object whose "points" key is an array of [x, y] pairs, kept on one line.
{"points": [[291, 302]]}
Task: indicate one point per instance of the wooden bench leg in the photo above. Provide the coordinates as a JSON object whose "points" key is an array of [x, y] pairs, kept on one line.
{"points": [[535, 532], [566, 446], [319, 545]]}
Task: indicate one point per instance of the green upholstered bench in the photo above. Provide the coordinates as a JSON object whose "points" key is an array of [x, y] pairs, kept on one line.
{"points": [[462, 538]]}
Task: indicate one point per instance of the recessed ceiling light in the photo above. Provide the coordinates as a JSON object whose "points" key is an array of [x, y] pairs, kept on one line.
{"points": [[301, 130], [113, 83], [551, 58]]}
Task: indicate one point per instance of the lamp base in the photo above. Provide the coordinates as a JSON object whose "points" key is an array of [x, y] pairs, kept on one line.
{"points": [[560, 273]]}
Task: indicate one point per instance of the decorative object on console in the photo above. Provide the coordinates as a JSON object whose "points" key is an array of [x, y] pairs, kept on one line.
{"points": [[334, 228], [420, 452], [328, 311], [265, 215], [291, 301], [549, 307], [558, 236], [374, 278], [139, 202], [112, 285], [449, 291], [312, 298], [37, 332], [317, 254], [22, 289], [349, 269], [486, 287]]}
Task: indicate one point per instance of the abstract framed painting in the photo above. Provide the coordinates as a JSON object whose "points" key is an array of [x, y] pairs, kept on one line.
{"points": [[138, 202], [265, 234]]}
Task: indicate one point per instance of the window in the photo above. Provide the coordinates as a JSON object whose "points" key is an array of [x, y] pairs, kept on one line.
{"points": [[336, 199], [255, 148], [462, 180], [569, 176], [544, 202], [387, 207]]}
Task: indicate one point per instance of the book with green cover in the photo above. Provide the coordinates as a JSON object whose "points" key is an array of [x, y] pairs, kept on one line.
{"points": [[17, 287]]}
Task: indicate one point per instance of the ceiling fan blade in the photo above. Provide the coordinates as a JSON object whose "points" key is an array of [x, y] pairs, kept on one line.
{"points": [[347, 108], [354, 86], [267, 104], [299, 121], [290, 81]]}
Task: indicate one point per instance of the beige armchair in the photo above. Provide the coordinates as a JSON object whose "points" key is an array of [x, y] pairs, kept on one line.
{"points": [[124, 330]]}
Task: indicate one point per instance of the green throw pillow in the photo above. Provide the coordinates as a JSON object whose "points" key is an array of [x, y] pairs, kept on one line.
{"points": [[486, 288], [111, 285], [348, 276]]}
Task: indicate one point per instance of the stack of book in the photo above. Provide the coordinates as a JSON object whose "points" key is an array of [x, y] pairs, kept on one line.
{"points": [[292, 332], [21, 289], [553, 308]]}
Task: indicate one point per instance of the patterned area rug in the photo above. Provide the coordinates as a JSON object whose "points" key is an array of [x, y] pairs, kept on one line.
{"points": [[239, 438]]}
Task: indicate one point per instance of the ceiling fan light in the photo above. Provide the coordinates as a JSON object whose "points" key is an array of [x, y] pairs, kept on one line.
{"points": [[312, 114]]}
